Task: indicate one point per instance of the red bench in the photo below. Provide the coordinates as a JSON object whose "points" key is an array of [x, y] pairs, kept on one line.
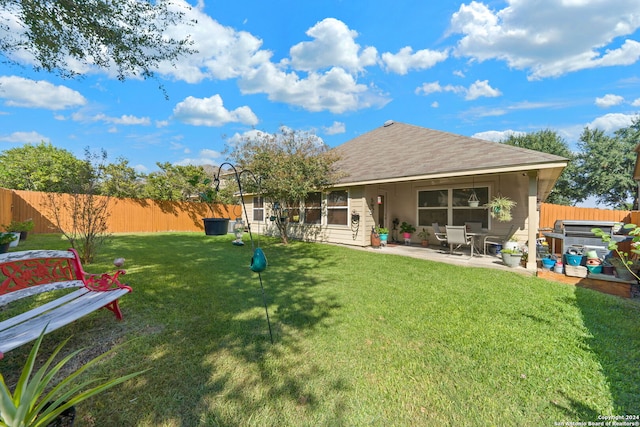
{"points": [[28, 273]]}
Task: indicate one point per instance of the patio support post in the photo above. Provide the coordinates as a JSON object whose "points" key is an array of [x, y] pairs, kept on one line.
{"points": [[532, 232]]}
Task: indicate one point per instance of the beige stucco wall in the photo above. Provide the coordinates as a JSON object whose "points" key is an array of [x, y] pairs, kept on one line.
{"points": [[354, 233], [401, 201]]}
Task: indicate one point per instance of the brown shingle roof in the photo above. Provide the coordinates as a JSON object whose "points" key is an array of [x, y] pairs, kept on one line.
{"points": [[398, 151]]}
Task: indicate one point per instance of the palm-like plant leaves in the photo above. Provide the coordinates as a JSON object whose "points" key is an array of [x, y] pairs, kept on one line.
{"points": [[31, 406]]}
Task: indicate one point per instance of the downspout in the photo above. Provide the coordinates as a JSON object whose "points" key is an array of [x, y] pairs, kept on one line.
{"points": [[534, 221]]}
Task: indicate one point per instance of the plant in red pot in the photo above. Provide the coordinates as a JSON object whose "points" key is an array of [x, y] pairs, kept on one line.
{"points": [[407, 229]]}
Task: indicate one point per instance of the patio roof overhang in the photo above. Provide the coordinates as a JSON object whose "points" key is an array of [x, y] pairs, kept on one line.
{"points": [[548, 174]]}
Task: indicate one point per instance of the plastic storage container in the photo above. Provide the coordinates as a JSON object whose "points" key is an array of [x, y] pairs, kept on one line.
{"points": [[573, 259], [558, 268], [548, 263]]}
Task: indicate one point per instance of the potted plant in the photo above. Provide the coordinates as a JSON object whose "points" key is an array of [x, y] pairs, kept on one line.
{"points": [[22, 227], [512, 243], [473, 200], [511, 257], [407, 229], [384, 234], [500, 208], [424, 236], [34, 403], [5, 241]]}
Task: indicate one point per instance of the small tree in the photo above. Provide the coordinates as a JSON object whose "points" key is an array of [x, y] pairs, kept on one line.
{"points": [[82, 215], [290, 164]]}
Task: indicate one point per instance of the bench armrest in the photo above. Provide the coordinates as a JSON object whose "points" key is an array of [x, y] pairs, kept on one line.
{"points": [[105, 281]]}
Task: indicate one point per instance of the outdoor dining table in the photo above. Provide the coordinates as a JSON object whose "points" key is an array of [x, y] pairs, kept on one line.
{"points": [[476, 240]]}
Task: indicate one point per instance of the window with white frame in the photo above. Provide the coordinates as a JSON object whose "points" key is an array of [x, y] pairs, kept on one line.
{"points": [[258, 209], [338, 207], [433, 206], [462, 212], [441, 204]]}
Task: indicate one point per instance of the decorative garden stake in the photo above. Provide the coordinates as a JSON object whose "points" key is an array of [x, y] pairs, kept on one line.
{"points": [[259, 260]]}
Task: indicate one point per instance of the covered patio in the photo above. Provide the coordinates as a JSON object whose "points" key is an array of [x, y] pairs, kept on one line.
{"points": [[441, 254]]}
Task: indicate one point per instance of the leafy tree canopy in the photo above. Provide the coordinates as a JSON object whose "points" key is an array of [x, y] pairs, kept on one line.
{"points": [[120, 180], [41, 167], [607, 163], [173, 182], [68, 37], [565, 192]]}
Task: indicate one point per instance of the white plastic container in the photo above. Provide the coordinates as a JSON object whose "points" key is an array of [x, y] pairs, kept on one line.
{"points": [[558, 267]]}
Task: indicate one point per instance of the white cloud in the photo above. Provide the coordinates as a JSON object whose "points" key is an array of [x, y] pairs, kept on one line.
{"points": [[222, 52], [24, 138], [612, 122], [406, 59], [435, 87], [476, 90], [125, 119], [481, 89], [609, 100], [335, 128], [333, 46], [141, 168], [549, 37], [21, 92], [211, 112], [326, 62], [335, 90], [206, 157], [636, 102], [497, 135]]}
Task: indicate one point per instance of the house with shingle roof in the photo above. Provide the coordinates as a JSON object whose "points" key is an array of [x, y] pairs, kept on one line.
{"points": [[409, 173]]}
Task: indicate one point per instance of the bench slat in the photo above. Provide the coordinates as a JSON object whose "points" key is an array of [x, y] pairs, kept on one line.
{"points": [[35, 290], [56, 318], [11, 322], [37, 254]]}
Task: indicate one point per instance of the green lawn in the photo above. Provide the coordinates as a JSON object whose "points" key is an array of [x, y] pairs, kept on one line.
{"points": [[361, 339]]}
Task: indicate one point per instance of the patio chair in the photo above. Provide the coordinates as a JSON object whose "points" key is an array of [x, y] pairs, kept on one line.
{"points": [[440, 236], [497, 240], [457, 235]]}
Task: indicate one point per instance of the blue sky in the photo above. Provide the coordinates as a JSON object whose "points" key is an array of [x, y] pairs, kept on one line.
{"points": [[342, 68]]}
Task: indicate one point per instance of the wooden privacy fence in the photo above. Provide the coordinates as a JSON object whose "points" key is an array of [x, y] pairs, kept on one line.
{"points": [[125, 215], [146, 215], [550, 213]]}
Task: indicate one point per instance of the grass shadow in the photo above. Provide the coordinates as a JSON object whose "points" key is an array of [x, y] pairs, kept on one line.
{"points": [[198, 318]]}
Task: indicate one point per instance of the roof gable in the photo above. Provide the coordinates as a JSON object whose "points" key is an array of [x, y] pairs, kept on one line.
{"points": [[398, 151]]}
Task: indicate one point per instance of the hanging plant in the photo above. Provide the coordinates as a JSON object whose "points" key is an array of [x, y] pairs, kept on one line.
{"points": [[473, 199], [500, 208]]}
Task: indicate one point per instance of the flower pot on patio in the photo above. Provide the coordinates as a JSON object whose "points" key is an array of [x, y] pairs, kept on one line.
{"points": [[511, 259], [375, 239]]}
